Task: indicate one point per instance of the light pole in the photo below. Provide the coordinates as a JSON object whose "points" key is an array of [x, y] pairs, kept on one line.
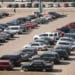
{"points": [[40, 6]]}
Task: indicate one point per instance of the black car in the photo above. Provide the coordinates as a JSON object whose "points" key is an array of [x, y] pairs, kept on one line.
{"points": [[48, 57], [62, 53], [64, 29], [73, 4], [68, 50], [57, 15], [29, 51], [48, 40], [37, 65], [29, 5]]}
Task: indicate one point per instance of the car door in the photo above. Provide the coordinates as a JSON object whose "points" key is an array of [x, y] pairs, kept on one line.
{"points": [[37, 66]]}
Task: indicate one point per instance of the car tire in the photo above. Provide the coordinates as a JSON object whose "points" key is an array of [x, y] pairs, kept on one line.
{"points": [[40, 49], [44, 70], [24, 69]]}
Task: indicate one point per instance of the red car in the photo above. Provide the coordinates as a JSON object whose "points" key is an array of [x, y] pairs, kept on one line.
{"points": [[30, 25], [66, 5], [72, 25], [6, 65]]}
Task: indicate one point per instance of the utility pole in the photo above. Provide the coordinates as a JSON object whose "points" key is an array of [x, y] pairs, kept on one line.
{"points": [[40, 6]]}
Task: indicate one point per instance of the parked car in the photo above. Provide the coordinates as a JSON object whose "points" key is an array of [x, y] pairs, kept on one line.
{"points": [[2, 38], [73, 4], [64, 29], [31, 24], [48, 57], [37, 65], [16, 29], [43, 41], [66, 5], [36, 5], [66, 39], [50, 5], [6, 35], [70, 35], [6, 65], [64, 44], [71, 25], [52, 35], [30, 51], [29, 5], [22, 5], [56, 5], [15, 58], [68, 50], [37, 45], [62, 53], [55, 14]]}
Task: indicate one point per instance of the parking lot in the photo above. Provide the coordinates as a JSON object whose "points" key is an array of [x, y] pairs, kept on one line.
{"points": [[16, 44]]}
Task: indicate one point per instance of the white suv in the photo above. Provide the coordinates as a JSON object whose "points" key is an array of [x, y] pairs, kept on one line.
{"points": [[52, 35]]}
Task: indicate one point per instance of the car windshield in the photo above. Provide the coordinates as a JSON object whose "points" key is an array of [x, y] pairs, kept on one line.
{"points": [[15, 28], [48, 55], [64, 43], [44, 35], [27, 51], [66, 39], [34, 44]]}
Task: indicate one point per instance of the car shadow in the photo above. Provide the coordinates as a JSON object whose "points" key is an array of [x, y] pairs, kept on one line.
{"points": [[56, 70], [64, 63], [71, 59], [72, 54]]}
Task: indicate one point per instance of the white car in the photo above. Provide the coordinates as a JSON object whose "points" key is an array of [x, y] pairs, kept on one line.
{"points": [[64, 44], [52, 35], [66, 39], [14, 29], [56, 5], [47, 17], [36, 45]]}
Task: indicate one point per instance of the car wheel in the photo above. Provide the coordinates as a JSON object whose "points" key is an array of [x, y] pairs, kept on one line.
{"points": [[24, 69], [40, 49], [44, 70]]}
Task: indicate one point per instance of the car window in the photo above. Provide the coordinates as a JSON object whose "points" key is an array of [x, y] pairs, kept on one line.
{"points": [[55, 34], [64, 43], [50, 34], [15, 28], [37, 63], [48, 55], [44, 35], [34, 44]]}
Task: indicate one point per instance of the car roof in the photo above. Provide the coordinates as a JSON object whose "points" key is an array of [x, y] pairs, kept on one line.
{"points": [[50, 52], [38, 60]]}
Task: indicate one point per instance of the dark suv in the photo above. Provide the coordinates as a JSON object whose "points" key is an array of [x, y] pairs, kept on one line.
{"points": [[62, 53], [48, 57]]}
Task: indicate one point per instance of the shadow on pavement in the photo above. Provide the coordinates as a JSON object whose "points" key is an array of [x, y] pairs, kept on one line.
{"points": [[56, 70], [72, 59], [72, 54], [64, 63]]}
